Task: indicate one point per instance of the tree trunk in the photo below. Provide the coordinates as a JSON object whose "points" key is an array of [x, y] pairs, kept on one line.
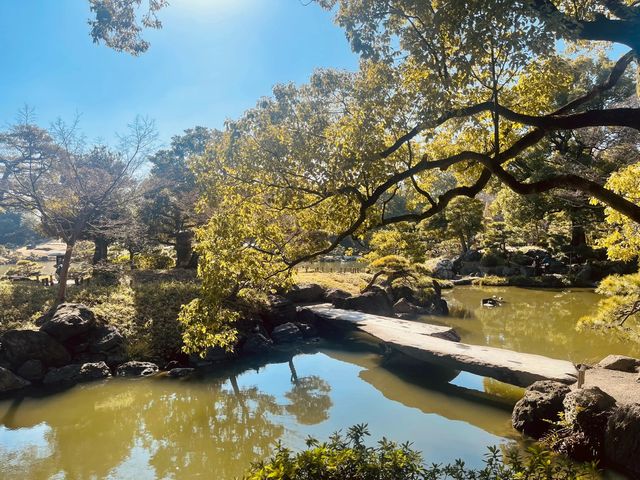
{"points": [[64, 273], [101, 250], [463, 243], [184, 248], [132, 263], [578, 235]]}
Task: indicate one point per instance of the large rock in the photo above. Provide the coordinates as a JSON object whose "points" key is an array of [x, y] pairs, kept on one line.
{"points": [[376, 303], [69, 320], [306, 293], [32, 370], [18, 346], [441, 268], [586, 412], [104, 339], [280, 310], [286, 333], [181, 372], [137, 369], [256, 344], [77, 373], [336, 293], [622, 439], [541, 404], [620, 363], [406, 307], [582, 405], [9, 381]]}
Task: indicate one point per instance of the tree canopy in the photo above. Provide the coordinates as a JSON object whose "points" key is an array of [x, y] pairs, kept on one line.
{"points": [[451, 99]]}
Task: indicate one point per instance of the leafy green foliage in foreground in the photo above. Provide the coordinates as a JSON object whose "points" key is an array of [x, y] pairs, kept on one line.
{"points": [[348, 458], [619, 310]]}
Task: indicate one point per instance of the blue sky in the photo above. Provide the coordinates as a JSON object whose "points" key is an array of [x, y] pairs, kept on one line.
{"points": [[212, 60]]}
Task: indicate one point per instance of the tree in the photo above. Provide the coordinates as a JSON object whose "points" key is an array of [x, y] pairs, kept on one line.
{"points": [[118, 26], [464, 220], [442, 107], [170, 193], [69, 187]]}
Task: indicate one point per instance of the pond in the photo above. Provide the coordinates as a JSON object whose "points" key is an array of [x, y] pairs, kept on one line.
{"points": [[215, 425], [541, 321]]}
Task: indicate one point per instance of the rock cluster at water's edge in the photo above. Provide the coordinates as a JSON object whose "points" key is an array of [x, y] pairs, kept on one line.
{"points": [[588, 423]]}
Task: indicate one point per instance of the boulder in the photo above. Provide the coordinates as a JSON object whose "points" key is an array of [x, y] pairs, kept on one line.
{"points": [[622, 439], [541, 404], [404, 306], [308, 329], [70, 320], [306, 293], [620, 363], [441, 268], [105, 338], [32, 370], [336, 293], [376, 303], [586, 412], [137, 369], [286, 333], [181, 372], [9, 381], [280, 310], [77, 373], [583, 405], [256, 344], [19, 346]]}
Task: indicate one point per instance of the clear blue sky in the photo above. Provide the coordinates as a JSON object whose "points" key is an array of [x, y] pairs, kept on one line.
{"points": [[212, 60]]}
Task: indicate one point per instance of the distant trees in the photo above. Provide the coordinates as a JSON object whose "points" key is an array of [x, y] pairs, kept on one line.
{"points": [[170, 194], [71, 187]]}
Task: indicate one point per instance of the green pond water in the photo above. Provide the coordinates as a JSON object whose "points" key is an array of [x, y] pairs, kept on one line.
{"points": [[541, 321], [214, 425]]}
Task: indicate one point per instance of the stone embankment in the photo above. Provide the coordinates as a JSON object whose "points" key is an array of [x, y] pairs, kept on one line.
{"points": [[600, 420]]}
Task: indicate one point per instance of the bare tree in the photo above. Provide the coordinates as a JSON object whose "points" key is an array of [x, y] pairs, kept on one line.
{"points": [[72, 187]]}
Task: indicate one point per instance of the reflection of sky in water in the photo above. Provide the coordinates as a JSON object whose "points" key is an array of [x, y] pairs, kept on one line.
{"points": [[21, 441], [355, 402]]}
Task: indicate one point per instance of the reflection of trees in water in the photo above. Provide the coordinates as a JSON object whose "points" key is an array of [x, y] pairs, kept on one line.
{"points": [[309, 398], [183, 429], [87, 437], [536, 321], [214, 430], [186, 430]]}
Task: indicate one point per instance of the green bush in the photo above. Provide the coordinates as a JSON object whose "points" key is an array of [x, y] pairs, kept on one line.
{"points": [[349, 458], [492, 259], [154, 260], [22, 303], [491, 281]]}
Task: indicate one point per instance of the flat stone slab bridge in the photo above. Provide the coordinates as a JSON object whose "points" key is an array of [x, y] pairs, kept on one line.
{"points": [[441, 345]]}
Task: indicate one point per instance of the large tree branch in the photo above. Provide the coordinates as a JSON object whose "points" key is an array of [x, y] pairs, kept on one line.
{"points": [[625, 30], [567, 182]]}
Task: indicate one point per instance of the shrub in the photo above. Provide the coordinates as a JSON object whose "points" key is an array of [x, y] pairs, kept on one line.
{"points": [[492, 259], [348, 458], [490, 281], [22, 303], [157, 259]]}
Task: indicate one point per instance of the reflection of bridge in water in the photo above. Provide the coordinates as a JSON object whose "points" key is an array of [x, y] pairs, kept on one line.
{"points": [[428, 390], [440, 345]]}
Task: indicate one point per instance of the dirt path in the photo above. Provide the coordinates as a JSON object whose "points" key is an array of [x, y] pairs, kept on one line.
{"points": [[622, 386]]}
